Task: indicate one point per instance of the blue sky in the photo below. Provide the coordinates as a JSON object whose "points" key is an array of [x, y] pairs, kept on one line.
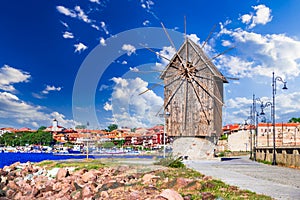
{"points": [[57, 58]]}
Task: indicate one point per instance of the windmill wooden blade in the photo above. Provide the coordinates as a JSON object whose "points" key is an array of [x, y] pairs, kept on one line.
{"points": [[172, 96], [206, 90], [155, 52], [169, 38], [147, 72], [199, 99], [186, 103], [159, 110], [222, 53], [173, 45], [209, 35], [150, 88], [210, 60]]}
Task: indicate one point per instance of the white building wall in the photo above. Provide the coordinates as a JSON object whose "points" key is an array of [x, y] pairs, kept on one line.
{"points": [[239, 141]]}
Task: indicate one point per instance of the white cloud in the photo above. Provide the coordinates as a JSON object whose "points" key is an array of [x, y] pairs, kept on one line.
{"points": [[38, 95], [68, 35], [134, 69], [262, 16], [165, 55], [80, 47], [147, 4], [81, 15], [235, 66], [64, 24], [131, 109], [246, 19], [287, 104], [226, 43], [130, 49], [103, 87], [194, 38], [10, 76], [76, 13], [14, 110], [107, 106], [146, 22], [95, 27], [102, 41], [95, 1], [50, 88], [67, 123], [66, 11], [265, 53], [104, 27]]}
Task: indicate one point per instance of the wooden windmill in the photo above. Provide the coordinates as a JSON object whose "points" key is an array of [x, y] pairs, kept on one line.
{"points": [[193, 99], [193, 93]]}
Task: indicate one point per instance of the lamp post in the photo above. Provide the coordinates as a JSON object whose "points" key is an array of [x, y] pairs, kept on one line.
{"points": [[274, 79], [251, 122], [262, 113], [165, 115], [255, 116]]}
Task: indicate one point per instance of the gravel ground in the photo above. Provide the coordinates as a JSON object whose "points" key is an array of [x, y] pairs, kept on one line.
{"points": [[277, 182]]}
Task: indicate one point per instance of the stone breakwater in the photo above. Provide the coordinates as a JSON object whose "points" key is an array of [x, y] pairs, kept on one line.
{"points": [[27, 181]]}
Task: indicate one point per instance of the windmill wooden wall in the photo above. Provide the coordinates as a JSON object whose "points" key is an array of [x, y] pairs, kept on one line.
{"points": [[193, 93]]}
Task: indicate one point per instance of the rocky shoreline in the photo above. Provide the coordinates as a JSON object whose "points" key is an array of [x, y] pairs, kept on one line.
{"points": [[123, 181], [27, 181]]}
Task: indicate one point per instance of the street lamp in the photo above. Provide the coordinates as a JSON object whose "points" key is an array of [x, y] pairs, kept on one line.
{"points": [[165, 115], [251, 122], [274, 79], [255, 116]]}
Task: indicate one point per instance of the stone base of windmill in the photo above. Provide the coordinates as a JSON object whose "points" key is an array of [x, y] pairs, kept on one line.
{"points": [[191, 148]]}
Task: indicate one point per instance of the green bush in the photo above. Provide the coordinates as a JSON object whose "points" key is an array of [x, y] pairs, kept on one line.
{"points": [[170, 161]]}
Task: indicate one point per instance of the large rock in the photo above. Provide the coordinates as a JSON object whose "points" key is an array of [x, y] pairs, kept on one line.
{"points": [[149, 178], [89, 176], [170, 194], [192, 148], [62, 173]]}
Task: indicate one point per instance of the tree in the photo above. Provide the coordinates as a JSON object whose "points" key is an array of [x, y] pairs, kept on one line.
{"points": [[112, 127], [108, 145], [23, 138], [133, 130], [294, 120], [42, 128]]}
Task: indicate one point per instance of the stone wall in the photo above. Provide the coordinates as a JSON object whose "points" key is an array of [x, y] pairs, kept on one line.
{"points": [[288, 156], [194, 148]]}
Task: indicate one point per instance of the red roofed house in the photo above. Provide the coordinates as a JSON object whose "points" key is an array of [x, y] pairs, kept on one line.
{"points": [[238, 137], [286, 134]]}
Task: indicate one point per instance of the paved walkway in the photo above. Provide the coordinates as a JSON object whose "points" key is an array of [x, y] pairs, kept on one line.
{"points": [[274, 181]]}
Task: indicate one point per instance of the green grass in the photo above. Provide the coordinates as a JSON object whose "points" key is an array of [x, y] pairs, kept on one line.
{"points": [[264, 162], [82, 164]]}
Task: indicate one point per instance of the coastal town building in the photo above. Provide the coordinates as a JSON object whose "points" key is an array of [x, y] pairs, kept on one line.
{"points": [[238, 136], [55, 127], [286, 134], [6, 130]]}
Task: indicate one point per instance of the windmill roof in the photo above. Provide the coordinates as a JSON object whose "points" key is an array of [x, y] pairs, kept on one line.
{"points": [[201, 54]]}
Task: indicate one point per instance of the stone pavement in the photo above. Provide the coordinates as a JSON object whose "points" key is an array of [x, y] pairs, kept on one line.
{"points": [[277, 182]]}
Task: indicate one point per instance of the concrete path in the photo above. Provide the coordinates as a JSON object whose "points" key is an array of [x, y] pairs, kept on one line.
{"points": [[274, 181]]}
